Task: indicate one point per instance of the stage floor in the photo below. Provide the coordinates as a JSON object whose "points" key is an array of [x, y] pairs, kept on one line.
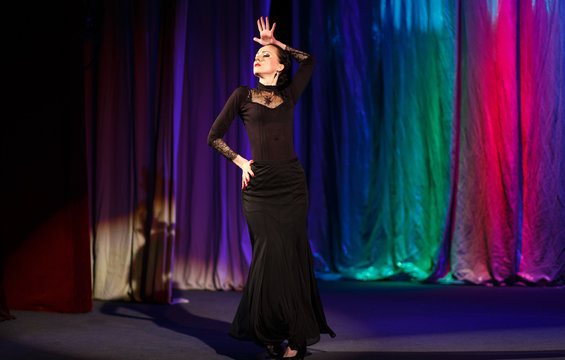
{"points": [[373, 320]]}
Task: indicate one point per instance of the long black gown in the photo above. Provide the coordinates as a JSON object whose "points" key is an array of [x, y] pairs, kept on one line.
{"points": [[280, 300]]}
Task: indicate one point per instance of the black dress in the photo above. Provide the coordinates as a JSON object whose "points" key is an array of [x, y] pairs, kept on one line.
{"points": [[280, 300]]}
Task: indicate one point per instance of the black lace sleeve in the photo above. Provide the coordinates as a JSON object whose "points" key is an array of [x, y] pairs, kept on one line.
{"points": [[302, 76], [223, 122]]}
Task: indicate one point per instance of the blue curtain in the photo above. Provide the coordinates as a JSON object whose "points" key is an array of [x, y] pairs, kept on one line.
{"points": [[432, 135], [376, 133]]}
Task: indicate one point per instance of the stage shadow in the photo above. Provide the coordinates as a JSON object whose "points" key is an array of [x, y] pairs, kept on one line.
{"points": [[212, 332]]}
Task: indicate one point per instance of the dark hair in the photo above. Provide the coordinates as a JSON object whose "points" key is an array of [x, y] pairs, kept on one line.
{"points": [[286, 74]]}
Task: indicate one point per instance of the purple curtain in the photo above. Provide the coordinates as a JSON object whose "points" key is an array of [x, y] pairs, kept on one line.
{"points": [[158, 74], [213, 250], [432, 137], [129, 102]]}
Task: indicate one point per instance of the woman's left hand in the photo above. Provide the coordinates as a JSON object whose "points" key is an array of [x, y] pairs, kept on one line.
{"points": [[266, 34]]}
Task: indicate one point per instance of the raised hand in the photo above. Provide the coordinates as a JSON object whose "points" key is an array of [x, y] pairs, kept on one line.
{"points": [[265, 34]]}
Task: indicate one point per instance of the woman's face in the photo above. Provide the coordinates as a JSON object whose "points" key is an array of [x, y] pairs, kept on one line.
{"points": [[266, 62]]}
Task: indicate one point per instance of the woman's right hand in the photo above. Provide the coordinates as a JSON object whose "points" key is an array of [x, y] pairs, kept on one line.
{"points": [[245, 166], [246, 173]]}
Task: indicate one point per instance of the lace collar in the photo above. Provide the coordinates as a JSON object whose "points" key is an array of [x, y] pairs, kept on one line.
{"points": [[274, 88]]}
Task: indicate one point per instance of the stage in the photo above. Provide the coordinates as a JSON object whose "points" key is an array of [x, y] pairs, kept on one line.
{"points": [[373, 320]]}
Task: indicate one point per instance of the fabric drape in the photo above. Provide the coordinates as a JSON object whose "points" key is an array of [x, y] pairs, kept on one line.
{"points": [[382, 99], [542, 111], [441, 146], [432, 137], [132, 133], [508, 224], [213, 251], [158, 73]]}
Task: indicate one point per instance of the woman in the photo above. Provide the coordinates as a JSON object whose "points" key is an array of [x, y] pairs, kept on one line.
{"points": [[280, 300]]}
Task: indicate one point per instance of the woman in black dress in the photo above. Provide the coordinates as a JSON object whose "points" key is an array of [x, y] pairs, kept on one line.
{"points": [[280, 300]]}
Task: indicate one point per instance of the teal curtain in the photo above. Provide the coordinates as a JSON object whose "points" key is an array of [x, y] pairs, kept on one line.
{"points": [[380, 134], [433, 137]]}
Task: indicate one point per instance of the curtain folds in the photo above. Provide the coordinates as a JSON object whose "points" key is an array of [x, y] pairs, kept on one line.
{"points": [[432, 136], [129, 104], [435, 139], [542, 105], [508, 224], [381, 120], [213, 251], [487, 231], [159, 74]]}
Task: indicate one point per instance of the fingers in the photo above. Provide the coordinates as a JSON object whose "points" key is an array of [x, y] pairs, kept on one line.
{"points": [[251, 171], [245, 175], [244, 180], [265, 25]]}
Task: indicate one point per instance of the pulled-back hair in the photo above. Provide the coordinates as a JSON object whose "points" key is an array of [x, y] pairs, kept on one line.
{"points": [[286, 74]]}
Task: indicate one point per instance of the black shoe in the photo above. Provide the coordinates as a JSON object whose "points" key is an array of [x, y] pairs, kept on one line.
{"points": [[275, 351]]}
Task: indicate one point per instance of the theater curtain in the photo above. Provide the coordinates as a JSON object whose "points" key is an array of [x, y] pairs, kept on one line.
{"points": [[157, 75], [434, 138], [213, 249], [432, 135], [508, 223], [379, 134], [129, 113]]}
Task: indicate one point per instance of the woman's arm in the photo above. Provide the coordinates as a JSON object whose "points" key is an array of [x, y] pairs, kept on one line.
{"points": [[221, 126], [306, 61], [303, 74]]}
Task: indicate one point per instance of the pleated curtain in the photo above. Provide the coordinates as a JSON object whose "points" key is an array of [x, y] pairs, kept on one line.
{"points": [[432, 136]]}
